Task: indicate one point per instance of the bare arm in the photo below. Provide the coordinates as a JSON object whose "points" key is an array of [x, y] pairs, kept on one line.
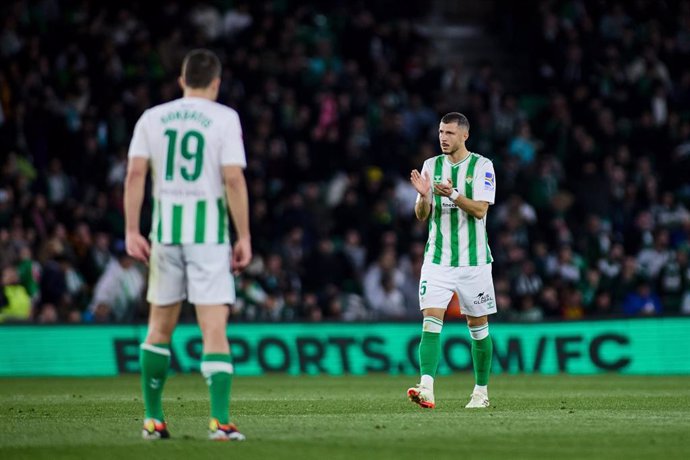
{"points": [[474, 208], [238, 203], [422, 208], [135, 182]]}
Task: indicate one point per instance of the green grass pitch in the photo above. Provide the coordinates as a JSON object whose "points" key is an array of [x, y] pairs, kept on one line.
{"points": [[355, 418]]}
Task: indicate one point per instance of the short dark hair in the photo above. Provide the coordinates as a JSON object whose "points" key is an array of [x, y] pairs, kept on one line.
{"points": [[200, 67], [456, 117]]}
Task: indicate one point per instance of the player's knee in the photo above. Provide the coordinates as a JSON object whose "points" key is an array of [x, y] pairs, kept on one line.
{"points": [[438, 313], [212, 327], [474, 321]]}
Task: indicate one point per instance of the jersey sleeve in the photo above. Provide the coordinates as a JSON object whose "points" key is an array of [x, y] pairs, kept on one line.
{"points": [[485, 183], [232, 150], [139, 146], [426, 170]]}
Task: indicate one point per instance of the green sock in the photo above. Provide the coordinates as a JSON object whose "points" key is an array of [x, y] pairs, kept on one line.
{"points": [[154, 360], [430, 346], [482, 351], [217, 369]]}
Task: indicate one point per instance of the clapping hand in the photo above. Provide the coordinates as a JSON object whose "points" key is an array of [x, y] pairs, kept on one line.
{"points": [[421, 183], [443, 189]]}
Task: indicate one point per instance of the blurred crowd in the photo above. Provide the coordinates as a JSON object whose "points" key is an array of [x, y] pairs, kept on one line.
{"points": [[338, 104]]}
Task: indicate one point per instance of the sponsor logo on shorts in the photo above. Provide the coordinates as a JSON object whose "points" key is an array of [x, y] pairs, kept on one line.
{"points": [[483, 298]]}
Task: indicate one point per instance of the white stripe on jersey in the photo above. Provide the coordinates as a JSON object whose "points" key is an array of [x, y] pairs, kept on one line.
{"points": [[455, 243], [188, 141]]}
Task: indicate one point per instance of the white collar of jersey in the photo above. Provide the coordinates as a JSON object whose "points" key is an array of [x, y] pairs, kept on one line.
{"points": [[459, 162]]}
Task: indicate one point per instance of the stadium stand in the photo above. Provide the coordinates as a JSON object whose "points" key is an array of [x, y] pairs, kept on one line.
{"points": [[592, 153]]}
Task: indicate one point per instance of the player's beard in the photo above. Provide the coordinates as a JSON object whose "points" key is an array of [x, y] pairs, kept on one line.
{"points": [[450, 152]]}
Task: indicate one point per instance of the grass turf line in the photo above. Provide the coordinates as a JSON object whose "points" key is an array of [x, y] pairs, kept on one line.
{"points": [[540, 417]]}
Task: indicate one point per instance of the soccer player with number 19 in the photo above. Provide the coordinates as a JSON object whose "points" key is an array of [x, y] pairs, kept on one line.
{"points": [[457, 257], [195, 151]]}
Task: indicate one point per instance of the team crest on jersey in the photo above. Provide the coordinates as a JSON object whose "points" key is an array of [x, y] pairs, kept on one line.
{"points": [[438, 179], [488, 181], [468, 180]]}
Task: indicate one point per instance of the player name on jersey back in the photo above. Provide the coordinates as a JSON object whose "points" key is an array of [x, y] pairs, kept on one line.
{"points": [[188, 142]]}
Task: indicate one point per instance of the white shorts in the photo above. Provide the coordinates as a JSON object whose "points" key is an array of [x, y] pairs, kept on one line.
{"points": [[473, 285], [197, 272]]}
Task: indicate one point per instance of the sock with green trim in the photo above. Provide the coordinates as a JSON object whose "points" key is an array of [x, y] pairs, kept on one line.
{"points": [[217, 369], [482, 352], [154, 360], [430, 350]]}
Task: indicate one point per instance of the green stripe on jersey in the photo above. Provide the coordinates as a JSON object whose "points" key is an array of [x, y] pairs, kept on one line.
{"points": [[158, 220], [222, 215], [200, 227], [489, 259], [438, 210], [454, 223], [176, 224], [471, 223]]}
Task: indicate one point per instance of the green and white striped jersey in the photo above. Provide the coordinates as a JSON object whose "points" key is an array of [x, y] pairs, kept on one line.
{"points": [[457, 239], [187, 142]]}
